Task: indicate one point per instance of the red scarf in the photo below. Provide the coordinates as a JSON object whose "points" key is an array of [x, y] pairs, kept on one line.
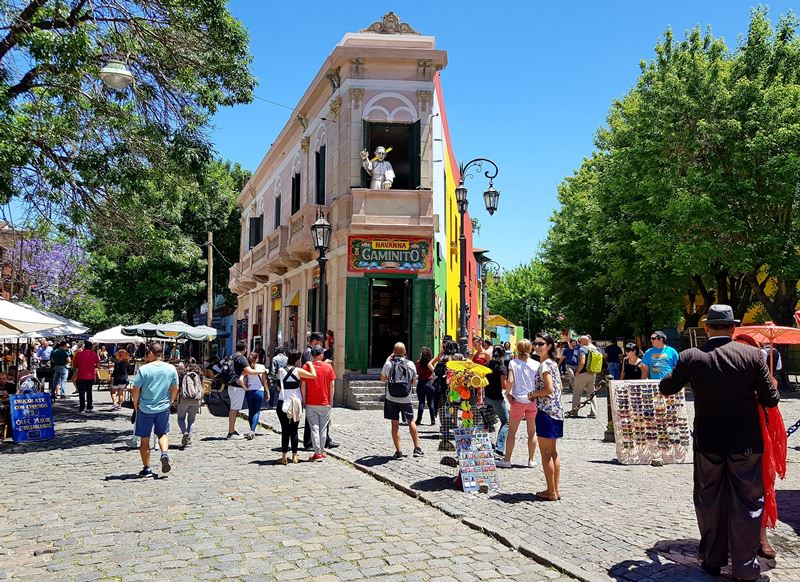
{"points": [[773, 462]]}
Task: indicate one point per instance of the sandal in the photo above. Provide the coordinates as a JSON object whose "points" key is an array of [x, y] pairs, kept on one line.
{"points": [[545, 496]]}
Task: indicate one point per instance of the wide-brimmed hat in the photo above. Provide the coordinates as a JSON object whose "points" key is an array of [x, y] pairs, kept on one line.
{"points": [[721, 313]]}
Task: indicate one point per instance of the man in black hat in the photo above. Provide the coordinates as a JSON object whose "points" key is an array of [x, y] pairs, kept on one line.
{"points": [[730, 380], [314, 340]]}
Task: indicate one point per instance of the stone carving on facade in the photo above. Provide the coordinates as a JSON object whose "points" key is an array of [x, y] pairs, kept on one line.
{"points": [[304, 143], [357, 68], [424, 70], [424, 100], [336, 105], [356, 96], [390, 24], [334, 78], [302, 120]]}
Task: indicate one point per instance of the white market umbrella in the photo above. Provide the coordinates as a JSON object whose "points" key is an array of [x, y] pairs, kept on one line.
{"points": [[114, 335], [181, 330], [67, 326], [145, 329], [16, 320]]}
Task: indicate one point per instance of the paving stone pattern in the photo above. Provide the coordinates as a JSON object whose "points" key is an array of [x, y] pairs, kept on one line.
{"points": [[614, 521], [74, 509]]}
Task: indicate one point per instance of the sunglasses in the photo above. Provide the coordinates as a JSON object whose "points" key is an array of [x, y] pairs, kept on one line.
{"points": [[654, 338], [539, 344]]}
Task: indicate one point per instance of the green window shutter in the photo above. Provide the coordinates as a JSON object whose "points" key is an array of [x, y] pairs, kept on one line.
{"points": [[311, 309], [422, 316], [356, 351], [365, 179], [414, 157]]}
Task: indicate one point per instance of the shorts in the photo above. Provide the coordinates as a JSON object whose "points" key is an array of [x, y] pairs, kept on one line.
{"points": [[520, 410], [147, 423], [119, 386], [548, 427], [236, 395], [396, 410]]}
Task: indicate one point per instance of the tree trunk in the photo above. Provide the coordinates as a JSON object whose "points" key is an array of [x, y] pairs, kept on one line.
{"points": [[783, 303]]}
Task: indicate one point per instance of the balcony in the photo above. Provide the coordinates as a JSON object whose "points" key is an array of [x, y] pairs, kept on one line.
{"points": [[300, 247], [392, 208]]}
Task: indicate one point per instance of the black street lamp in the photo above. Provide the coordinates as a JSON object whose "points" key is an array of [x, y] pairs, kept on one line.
{"points": [[493, 269], [321, 237], [490, 199]]}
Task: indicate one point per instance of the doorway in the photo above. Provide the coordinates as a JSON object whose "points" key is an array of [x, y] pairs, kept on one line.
{"points": [[389, 317]]}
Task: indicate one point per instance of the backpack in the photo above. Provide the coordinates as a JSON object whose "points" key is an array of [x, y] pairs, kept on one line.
{"points": [[594, 360], [191, 386], [399, 382], [227, 373]]}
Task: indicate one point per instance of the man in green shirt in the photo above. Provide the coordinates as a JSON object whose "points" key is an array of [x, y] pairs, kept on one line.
{"points": [[60, 359]]}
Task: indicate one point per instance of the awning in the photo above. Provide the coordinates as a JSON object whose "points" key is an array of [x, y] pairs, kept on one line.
{"points": [[113, 335], [295, 302], [19, 320]]}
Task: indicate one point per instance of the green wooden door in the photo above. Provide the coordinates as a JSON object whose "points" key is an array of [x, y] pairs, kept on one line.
{"points": [[422, 316], [356, 353]]}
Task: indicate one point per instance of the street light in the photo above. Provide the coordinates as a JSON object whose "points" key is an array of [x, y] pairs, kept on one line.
{"points": [[490, 198], [116, 75], [493, 269], [321, 237]]}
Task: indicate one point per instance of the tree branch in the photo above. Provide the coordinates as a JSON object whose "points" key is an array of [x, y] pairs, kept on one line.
{"points": [[21, 23], [27, 82]]}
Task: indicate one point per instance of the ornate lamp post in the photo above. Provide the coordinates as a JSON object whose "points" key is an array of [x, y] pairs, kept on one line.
{"points": [[321, 236], [493, 269], [490, 199]]}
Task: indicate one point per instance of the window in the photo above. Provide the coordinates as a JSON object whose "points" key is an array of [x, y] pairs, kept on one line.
{"points": [[319, 197], [404, 139], [256, 231], [277, 211], [296, 192]]}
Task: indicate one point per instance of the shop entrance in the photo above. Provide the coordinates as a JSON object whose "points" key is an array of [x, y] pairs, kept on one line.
{"points": [[389, 317]]}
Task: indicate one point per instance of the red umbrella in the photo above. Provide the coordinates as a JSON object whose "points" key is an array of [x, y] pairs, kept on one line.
{"points": [[769, 333]]}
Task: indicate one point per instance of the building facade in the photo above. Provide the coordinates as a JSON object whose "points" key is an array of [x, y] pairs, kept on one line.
{"points": [[393, 271]]}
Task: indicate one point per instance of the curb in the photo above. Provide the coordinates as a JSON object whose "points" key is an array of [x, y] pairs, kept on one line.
{"points": [[540, 556]]}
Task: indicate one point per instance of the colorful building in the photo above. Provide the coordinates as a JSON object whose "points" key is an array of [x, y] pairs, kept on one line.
{"points": [[393, 267]]}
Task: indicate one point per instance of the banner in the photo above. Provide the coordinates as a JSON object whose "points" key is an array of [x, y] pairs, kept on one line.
{"points": [[32, 417], [647, 425], [389, 254]]}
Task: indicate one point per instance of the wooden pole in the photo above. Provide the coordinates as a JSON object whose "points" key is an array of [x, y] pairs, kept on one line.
{"points": [[210, 289]]}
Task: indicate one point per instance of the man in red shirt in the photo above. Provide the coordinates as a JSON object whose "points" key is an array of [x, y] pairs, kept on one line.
{"points": [[86, 363], [318, 399]]}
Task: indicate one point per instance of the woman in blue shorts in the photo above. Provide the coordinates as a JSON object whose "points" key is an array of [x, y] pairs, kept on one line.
{"points": [[550, 413]]}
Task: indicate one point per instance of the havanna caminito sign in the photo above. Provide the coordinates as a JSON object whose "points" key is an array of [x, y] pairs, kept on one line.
{"points": [[389, 254]]}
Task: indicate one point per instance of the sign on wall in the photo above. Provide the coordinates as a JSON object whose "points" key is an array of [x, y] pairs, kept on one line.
{"points": [[389, 254], [32, 417]]}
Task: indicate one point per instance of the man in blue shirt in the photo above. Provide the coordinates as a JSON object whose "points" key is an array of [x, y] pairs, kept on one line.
{"points": [[155, 388], [661, 358]]}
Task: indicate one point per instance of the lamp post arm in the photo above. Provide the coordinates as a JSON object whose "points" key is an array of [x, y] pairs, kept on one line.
{"points": [[478, 164]]}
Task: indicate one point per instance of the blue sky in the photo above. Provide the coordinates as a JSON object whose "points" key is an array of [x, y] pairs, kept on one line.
{"points": [[527, 84]]}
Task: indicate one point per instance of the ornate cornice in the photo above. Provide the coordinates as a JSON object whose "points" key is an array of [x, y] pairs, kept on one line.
{"points": [[390, 24]]}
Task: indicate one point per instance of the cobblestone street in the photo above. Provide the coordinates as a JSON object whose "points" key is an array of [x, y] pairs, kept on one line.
{"points": [[623, 522], [74, 509]]}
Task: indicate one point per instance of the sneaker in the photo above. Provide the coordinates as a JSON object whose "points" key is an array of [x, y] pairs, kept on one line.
{"points": [[532, 463], [503, 464], [398, 455], [146, 472], [189, 441], [316, 457], [591, 415], [166, 467], [331, 444], [185, 439], [418, 452], [250, 435], [234, 436]]}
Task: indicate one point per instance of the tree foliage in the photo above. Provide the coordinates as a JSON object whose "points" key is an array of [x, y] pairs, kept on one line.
{"points": [[521, 297], [693, 191], [77, 152]]}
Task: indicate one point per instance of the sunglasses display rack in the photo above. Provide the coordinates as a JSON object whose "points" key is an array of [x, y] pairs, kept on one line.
{"points": [[475, 460], [647, 425]]}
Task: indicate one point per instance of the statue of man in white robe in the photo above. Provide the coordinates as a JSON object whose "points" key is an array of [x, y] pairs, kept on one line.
{"points": [[380, 170]]}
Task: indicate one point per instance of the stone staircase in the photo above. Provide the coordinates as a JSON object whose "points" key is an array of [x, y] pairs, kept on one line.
{"points": [[365, 392]]}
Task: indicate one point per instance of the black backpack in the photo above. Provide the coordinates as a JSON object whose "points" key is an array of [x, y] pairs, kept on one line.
{"points": [[227, 373], [399, 382]]}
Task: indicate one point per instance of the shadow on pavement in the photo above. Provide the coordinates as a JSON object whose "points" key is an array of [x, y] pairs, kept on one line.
{"points": [[673, 559], [264, 462], [606, 462], [374, 460], [515, 497], [440, 483], [789, 508], [70, 438]]}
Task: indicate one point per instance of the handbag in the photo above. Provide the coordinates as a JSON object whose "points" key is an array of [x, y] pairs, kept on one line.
{"points": [[219, 402]]}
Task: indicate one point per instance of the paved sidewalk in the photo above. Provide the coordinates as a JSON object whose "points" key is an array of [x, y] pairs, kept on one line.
{"points": [[615, 521], [74, 509]]}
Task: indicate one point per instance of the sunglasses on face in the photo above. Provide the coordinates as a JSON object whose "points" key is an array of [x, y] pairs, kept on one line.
{"points": [[539, 344]]}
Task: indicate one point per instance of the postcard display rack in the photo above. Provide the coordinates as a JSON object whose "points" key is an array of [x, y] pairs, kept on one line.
{"points": [[476, 465], [647, 425]]}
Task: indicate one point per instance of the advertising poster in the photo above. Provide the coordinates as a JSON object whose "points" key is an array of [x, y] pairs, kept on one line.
{"points": [[649, 426], [32, 417], [389, 254]]}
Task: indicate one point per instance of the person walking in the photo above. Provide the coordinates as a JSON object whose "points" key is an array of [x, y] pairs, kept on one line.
{"points": [[155, 389], [426, 395], [290, 403], [235, 390], [494, 396], [632, 367], [584, 378], [60, 358], [569, 363], [400, 375], [119, 379], [190, 396], [661, 358], [86, 363], [254, 380], [318, 398], [521, 372], [550, 414], [613, 357], [730, 380], [279, 360]]}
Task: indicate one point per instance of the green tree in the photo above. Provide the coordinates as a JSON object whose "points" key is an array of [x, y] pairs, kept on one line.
{"points": [[77, 152], [521, 298]]}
